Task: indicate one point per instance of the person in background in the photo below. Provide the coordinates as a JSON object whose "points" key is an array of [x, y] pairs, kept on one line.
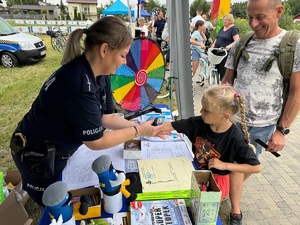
{"points": [[166, 37], [75, 107], [263, 89], [143, 28], [227, 35], [158, 27], [196, 18], [209, 28], [207, 23], [198, 47], [151, 24], [219, 145]]}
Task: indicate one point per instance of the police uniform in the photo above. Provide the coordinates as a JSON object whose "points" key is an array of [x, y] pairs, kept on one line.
{"points": [[67, 112]]}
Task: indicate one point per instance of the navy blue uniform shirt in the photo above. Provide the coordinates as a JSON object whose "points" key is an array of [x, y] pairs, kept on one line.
{"points": [[69, 107]]}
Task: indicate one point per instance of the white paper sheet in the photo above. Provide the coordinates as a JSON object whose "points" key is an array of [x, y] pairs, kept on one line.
{"points": [[167, 149], [79, 174]]}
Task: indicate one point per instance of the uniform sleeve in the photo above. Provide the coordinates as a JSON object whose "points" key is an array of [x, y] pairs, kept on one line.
{"points": [[109, 109], [84, 115]]}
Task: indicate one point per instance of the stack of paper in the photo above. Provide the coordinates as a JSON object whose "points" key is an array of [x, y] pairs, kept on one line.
{"points": [[165, 178]]}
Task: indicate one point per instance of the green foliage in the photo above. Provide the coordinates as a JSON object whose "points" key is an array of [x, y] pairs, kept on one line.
{"points": [[68, 17], [294, 7], [16, 11], [151, 4], [199, 4], [44, 11], [78, 16], [62, 7], [75, 14], [32, 12], [239, 10], [242, 25], [83, 16], [286, 19], [21, 2]]}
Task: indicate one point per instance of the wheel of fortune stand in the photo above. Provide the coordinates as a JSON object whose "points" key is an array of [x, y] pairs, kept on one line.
{"points": [[137, 84]]}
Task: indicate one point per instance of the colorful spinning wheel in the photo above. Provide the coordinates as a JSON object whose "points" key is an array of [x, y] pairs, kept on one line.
{"points": [[137, 84]]}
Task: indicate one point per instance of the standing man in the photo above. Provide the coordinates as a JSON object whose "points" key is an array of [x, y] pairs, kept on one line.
{"points": [[207, 23], [263, 89], [196, 18], [158, 26]]}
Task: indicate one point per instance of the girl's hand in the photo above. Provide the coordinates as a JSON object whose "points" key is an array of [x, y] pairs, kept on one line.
{"points": [[217, 164], [147, 129]]}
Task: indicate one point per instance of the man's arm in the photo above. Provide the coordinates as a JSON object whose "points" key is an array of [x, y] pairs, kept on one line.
{"points": [[291, 109], [228, 77]]}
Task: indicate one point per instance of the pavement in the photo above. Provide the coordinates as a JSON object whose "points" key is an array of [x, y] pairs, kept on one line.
{"points": [[272, 196]]}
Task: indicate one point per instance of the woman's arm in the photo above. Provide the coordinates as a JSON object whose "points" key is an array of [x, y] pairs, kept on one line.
{"points": [[115, 137], [235, 37]]}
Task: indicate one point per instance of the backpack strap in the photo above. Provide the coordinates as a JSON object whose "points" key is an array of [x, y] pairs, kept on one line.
{"points": [[285, 62], [240, 50], [286, 52]]}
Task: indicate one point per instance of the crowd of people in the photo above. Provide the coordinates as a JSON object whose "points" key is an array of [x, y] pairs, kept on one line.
{"points": [[247, 105]]}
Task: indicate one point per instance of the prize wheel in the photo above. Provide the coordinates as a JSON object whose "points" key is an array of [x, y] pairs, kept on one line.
{"points": [[137, 84]]}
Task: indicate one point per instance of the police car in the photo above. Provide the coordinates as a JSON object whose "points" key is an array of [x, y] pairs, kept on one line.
{"points": [[19, 48]]}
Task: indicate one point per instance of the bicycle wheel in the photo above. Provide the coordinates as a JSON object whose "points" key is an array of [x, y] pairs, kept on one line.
{"points": [[59, 44], [53, 43]]}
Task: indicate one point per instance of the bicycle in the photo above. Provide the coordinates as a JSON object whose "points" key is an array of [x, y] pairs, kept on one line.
{"points": [[209, 74], [58, 38]]}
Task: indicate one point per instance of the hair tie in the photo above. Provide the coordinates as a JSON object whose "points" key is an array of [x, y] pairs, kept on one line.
{"points": [[236, 94], [85, 31]]}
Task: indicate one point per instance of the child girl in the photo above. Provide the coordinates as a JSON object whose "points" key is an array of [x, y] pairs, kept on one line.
{"points": [[197, 45], [219, 145]]}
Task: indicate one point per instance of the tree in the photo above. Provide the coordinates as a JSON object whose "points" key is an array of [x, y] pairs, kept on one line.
{"points": [[294, 6], [62, 7], [44, 12], [151, 4], [239, 10], [21, 2], [199, 4]]}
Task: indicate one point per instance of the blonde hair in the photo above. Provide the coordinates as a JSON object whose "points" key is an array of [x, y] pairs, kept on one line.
{"points": [[142, 20], [110, 30], [227, 99], [229, 17]]}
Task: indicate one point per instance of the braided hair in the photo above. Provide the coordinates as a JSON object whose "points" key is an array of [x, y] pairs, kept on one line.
{"points": [[225, 98]]}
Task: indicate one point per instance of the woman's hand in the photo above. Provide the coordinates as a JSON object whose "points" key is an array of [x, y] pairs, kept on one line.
{"points": [[147, 129]]}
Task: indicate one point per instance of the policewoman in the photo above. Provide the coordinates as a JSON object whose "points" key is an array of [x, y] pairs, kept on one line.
{"points": [[75, 107]]}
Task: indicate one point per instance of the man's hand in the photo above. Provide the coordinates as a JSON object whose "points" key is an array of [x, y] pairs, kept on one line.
{"points": [[276, 142]]}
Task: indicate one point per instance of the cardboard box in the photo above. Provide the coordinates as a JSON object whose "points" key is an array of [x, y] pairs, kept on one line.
{"points": [[12, 210], [132, 149], [204, 204], [93, 211]]}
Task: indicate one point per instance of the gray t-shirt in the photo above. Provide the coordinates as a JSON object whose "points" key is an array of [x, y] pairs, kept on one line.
{"points": [[262, 90]]}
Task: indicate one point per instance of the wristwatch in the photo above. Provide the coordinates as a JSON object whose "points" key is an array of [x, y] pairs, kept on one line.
{"points": [[282, 130]]}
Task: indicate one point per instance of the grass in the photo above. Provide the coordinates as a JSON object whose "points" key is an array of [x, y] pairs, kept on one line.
{"points": [[18, 88]]}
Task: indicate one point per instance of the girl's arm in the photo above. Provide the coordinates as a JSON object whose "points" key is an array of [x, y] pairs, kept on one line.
{"points": [[234, 167], [194, 42], [203, 36]]}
